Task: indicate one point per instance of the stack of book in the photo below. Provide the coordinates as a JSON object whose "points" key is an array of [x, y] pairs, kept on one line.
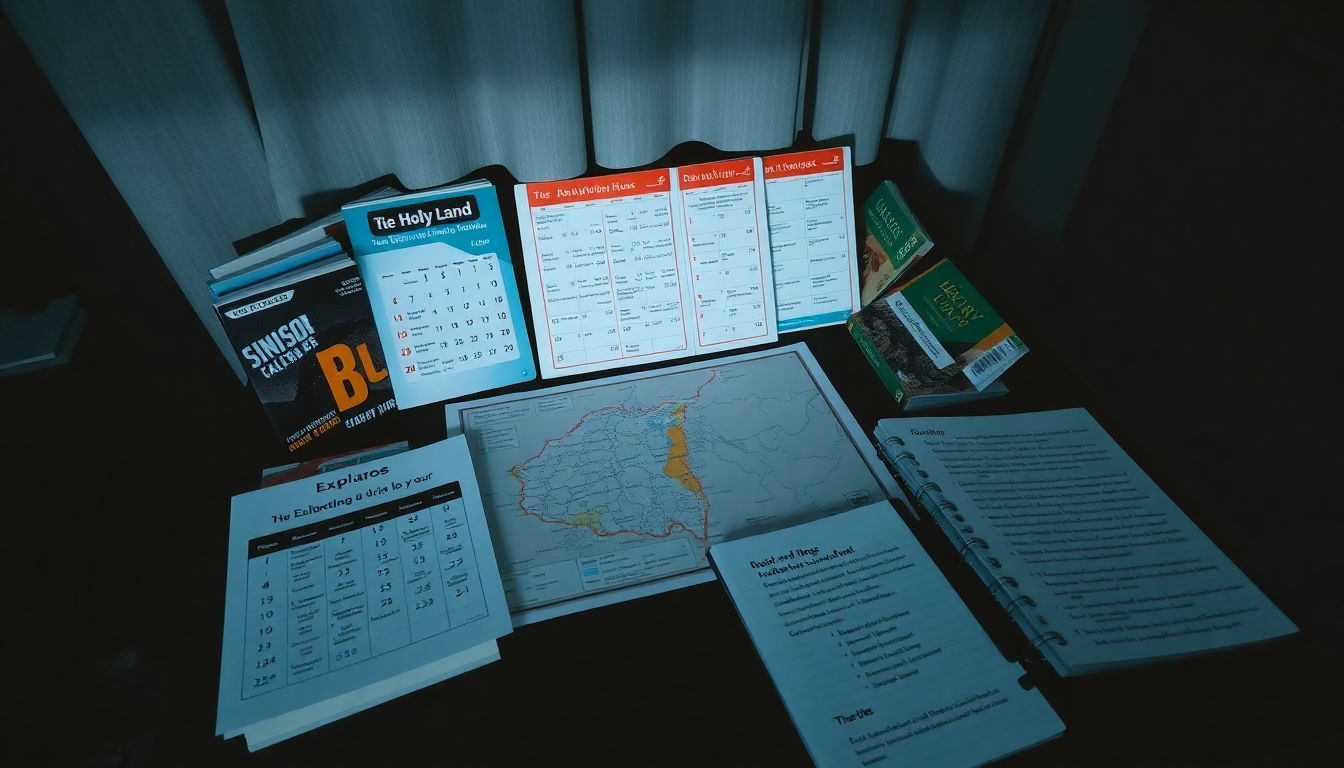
{"points": [[296, 314], [932, 339]]}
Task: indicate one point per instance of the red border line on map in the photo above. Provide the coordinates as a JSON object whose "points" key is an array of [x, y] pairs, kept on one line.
{"points": [[522, 484]]}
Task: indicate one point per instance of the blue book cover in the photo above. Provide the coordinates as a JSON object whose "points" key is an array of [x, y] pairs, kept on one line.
{"points": [[278, 265], [440, 280]]}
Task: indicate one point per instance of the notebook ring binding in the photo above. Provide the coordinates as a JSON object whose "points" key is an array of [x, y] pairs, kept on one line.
{"points": [[1049, 636], [906, 465], [974, 541]]}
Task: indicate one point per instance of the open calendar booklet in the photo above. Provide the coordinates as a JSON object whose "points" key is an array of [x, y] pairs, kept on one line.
{"points": [[352, 587], [669, 263], [440, 280]]}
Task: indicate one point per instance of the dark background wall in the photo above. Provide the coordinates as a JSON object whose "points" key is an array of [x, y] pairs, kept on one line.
{"points": [[1195, 290], [1191, 298]]}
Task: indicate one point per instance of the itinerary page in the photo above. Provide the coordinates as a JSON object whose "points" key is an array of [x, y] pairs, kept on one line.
{"points": [[605, 275], [640, 267], [812, 237], [876, 658], [353, 586], [1108, 570], [730, 261]]}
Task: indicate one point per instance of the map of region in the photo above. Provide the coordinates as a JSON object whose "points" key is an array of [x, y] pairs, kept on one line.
{"points": [[630, 464], [600, 485]]}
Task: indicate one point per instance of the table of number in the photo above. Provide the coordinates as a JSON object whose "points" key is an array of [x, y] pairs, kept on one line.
{"points": [[324, 596], [726, 263], [610, 279], [449, 315], [809, 232]]}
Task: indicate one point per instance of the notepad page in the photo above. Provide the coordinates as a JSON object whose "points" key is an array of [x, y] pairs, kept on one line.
{"points": [[1111, 564], [875, 657]]}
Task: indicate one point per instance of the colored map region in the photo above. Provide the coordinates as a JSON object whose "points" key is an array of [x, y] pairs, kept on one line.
{"points": [[600, 485], [635, 460]]}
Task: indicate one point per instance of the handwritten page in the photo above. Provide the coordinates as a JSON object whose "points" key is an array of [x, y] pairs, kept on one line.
{"points": [[646, 266], [810, 197], [350, 587], [1103, 568], [874, 655]]}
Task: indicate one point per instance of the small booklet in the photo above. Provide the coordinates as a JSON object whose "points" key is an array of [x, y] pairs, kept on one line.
{"points": [[647, 266], [935, 340], [811, 203], [441, 285], [874, 655], [352, 587], [1093, 562]]}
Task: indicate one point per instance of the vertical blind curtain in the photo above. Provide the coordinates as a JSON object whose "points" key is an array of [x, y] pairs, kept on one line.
{"points": [[219, 120]]}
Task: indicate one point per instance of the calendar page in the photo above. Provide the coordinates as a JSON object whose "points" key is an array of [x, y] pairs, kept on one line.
{"points": [[632, 268], [340, 581], [816, 266], [442, 288]]}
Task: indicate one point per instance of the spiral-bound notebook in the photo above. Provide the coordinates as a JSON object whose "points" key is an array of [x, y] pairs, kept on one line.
{"points": [[1096, 565]]}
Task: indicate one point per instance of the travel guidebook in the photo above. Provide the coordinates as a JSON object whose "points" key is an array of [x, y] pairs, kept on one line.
{"points": [[307, 342], [895, 241], [441, 285], [935, 340]]}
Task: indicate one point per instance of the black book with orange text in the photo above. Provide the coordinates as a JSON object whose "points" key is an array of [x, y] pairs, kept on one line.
{"points": [[311, 351]]}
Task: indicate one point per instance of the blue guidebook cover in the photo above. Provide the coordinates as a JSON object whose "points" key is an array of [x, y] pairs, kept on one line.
{"points": [[278, 265], [440, 280]]}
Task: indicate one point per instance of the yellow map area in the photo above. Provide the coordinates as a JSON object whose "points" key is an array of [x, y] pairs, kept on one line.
{"points": [[676, 466], [590, 518]]}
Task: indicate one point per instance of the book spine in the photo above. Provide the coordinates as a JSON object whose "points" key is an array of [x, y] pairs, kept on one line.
{"points": [[878, 361], [973, 549]]}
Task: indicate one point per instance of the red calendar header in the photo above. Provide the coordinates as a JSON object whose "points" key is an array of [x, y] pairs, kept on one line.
{"points": [[803, 163], [712, 174], [598, 187]]}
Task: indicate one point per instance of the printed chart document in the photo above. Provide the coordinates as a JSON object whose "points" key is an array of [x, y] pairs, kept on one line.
{"points": [[1097, 565], [608, 490], [875, 657], [647, 266], [352, 587], [811, 208]]}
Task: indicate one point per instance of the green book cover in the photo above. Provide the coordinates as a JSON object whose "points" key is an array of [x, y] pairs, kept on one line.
{"points": [[936, 334], [895, 241]]}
